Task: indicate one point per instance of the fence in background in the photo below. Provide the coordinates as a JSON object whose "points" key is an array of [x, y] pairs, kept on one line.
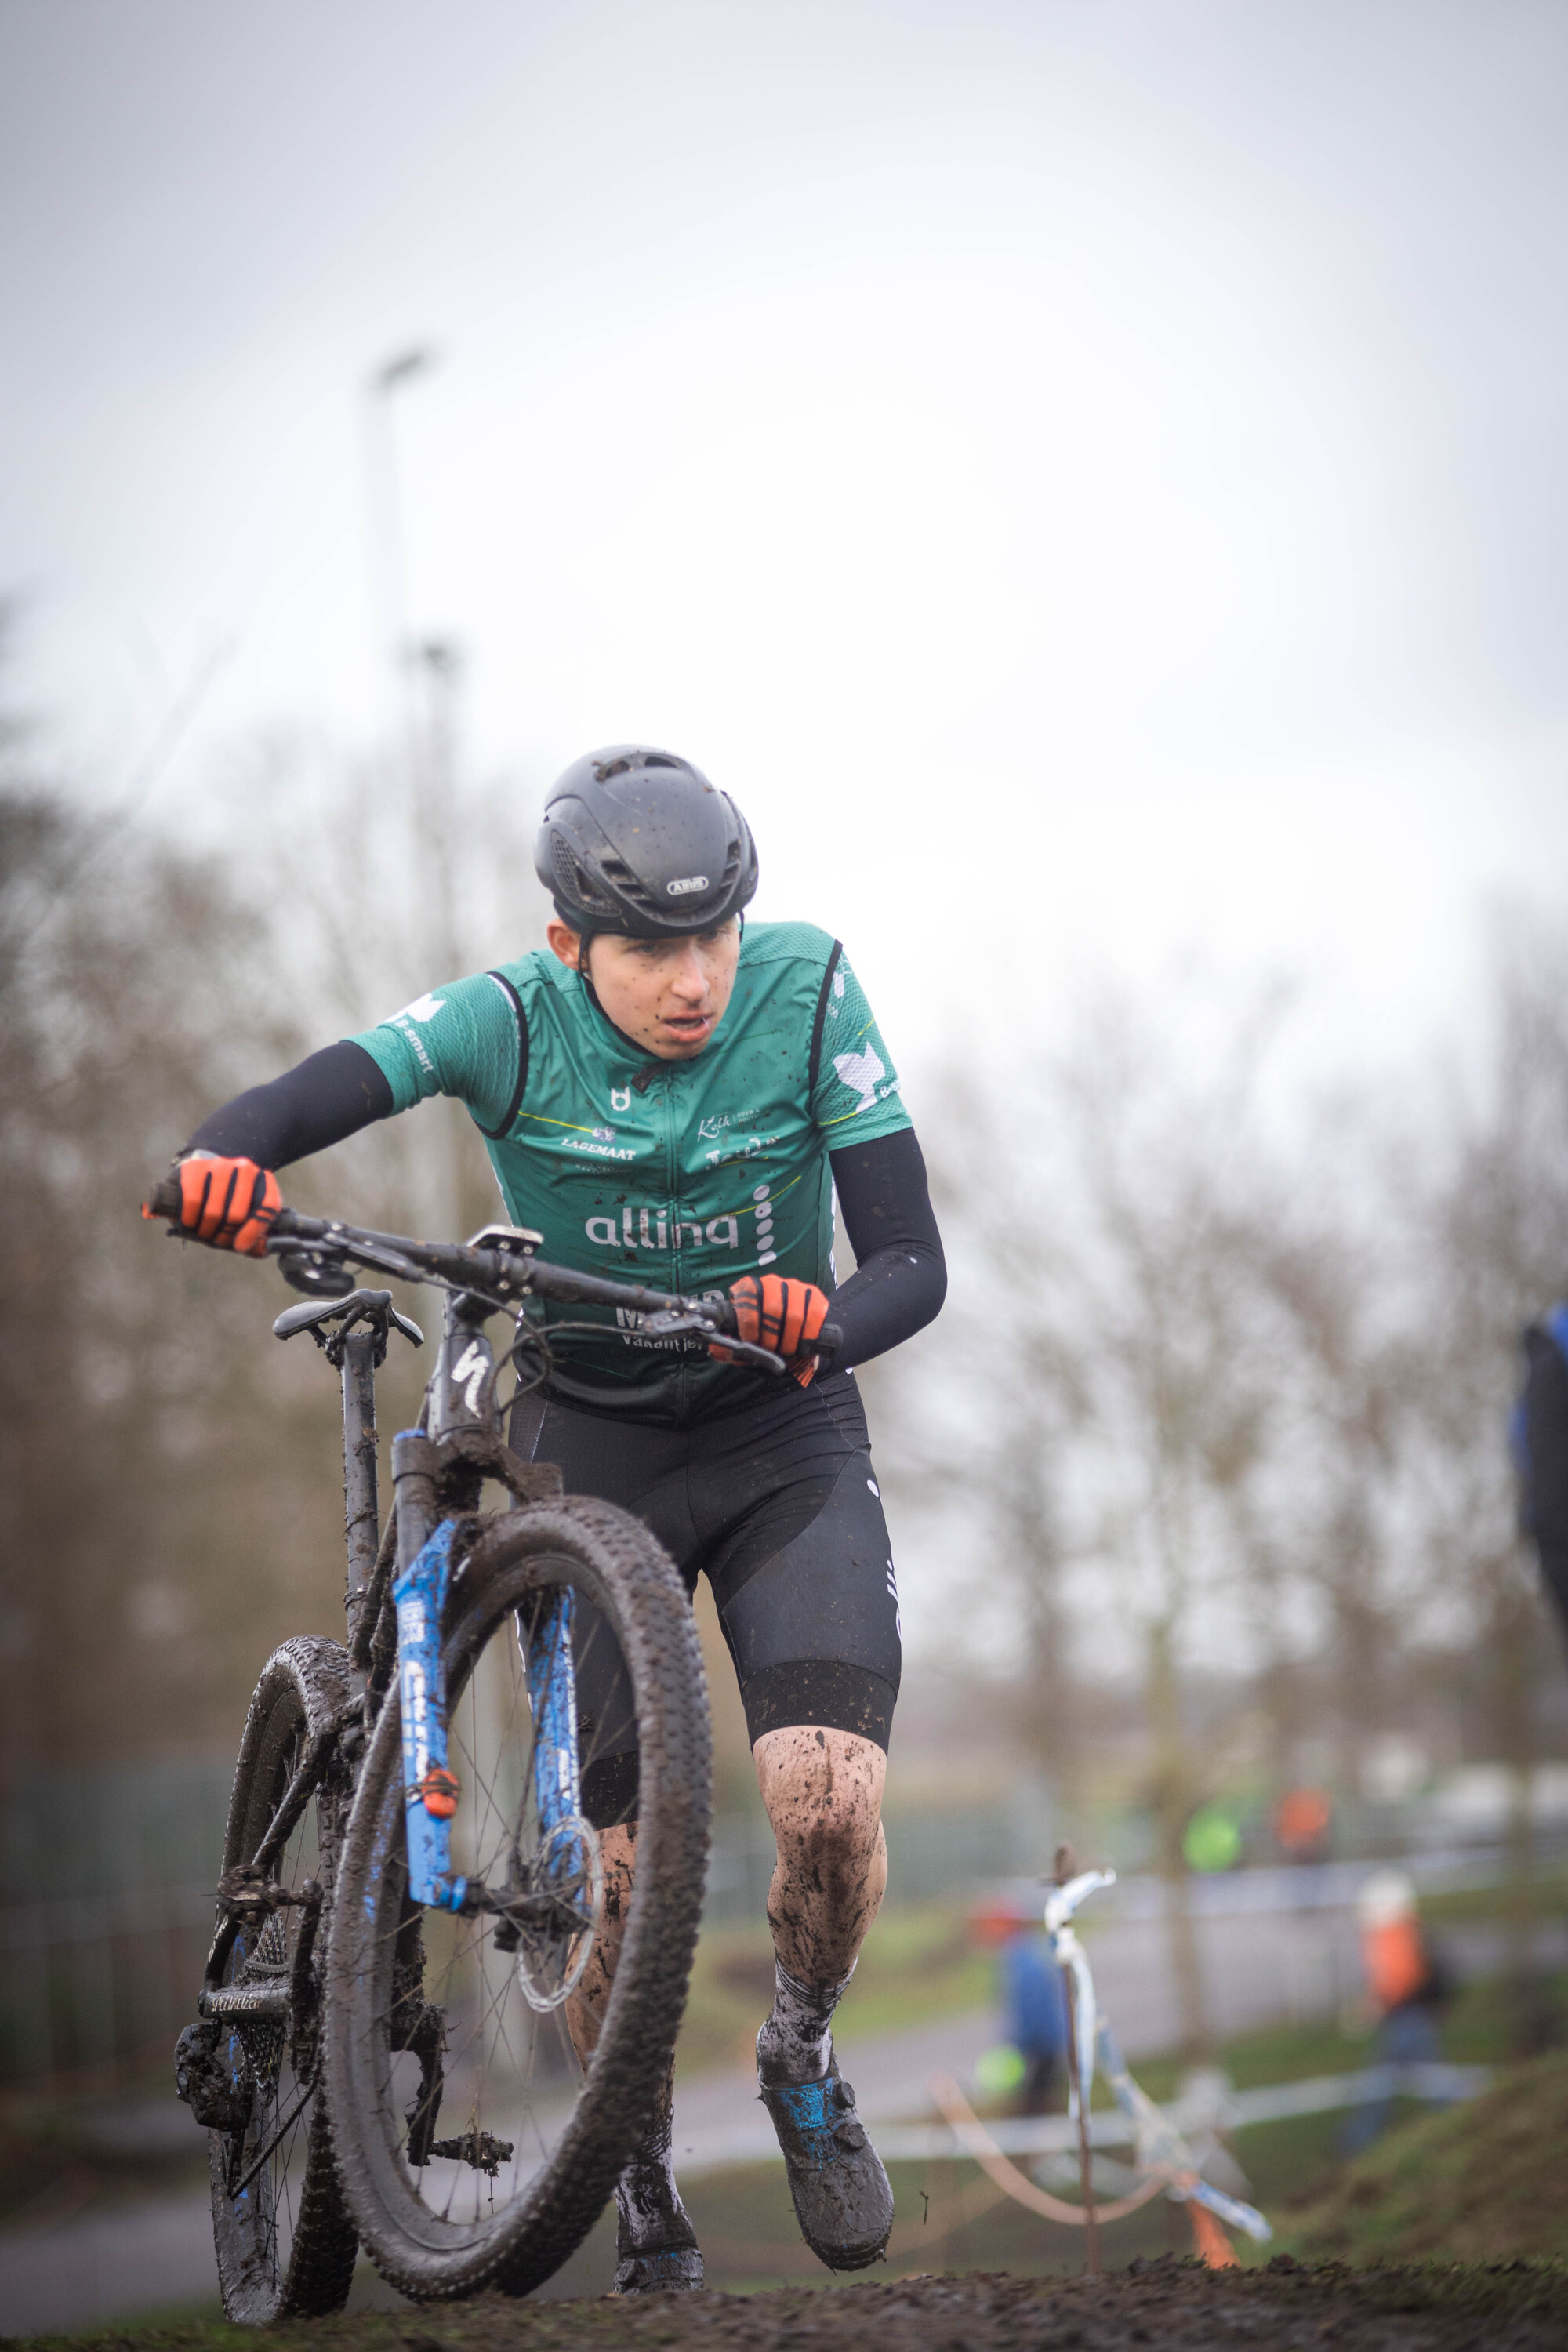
{"points": [[107, 1913], [106, 1904]]}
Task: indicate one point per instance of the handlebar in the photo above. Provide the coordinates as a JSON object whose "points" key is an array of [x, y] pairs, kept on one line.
{"points": [[507, 1275]]}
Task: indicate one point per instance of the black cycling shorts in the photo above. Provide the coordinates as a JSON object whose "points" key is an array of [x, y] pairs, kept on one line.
{"points": [[778, 1506]]}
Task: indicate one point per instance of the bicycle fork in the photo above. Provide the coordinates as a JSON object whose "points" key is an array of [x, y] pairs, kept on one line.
{"points": [[430, 1785]]}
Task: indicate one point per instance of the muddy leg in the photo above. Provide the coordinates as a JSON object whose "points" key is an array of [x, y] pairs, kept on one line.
{"points": [[655, 2246], [586, 2007], [823, 1791]]}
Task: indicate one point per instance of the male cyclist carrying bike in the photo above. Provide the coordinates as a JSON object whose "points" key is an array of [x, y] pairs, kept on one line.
{"points": [[672, 1098]]}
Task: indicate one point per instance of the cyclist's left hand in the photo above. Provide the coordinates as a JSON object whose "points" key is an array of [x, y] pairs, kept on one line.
{"points": [[771, 1311]]}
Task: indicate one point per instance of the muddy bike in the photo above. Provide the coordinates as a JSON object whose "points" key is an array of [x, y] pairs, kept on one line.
{"points": [[413, 1883]]}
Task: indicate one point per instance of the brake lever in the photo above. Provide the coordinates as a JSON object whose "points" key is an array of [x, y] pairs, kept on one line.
{"points": [[671, 1326], [386, 1261]]}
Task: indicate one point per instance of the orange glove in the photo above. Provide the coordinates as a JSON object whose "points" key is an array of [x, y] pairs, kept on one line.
{"points": [[229, 1203], [774, 1311]]}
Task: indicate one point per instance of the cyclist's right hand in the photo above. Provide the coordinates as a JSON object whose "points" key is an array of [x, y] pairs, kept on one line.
{"points": [[230, 1203]]}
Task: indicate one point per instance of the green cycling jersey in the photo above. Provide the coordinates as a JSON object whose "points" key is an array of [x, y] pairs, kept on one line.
{"points": [[683, 1175]]}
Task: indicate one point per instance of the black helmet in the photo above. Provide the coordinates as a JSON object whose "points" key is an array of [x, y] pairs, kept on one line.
{"points": [[638, 841]]}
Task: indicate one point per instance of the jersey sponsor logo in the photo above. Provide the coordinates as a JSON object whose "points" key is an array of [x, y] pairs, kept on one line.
{"points": [[741, 1148], [689, 882], [620, 1097], [423, 1008], [632, 1335], [861, 1071], [653, 1229], [416, 1042], [591, 1143], [713, 1126]]}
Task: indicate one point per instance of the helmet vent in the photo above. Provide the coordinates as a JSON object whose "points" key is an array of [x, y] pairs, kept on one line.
{"points": [[621, 878], [571, 883]]}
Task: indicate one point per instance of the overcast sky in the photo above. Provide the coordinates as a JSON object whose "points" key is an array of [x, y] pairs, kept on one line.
{"points": [[1092, 468]]}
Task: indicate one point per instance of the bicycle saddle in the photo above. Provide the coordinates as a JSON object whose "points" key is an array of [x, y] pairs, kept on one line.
{"points": [[373, 1306]]}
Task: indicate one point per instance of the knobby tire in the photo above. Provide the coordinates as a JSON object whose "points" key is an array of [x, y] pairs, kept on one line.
{"points": [[618, 1565], [286, 2247]]}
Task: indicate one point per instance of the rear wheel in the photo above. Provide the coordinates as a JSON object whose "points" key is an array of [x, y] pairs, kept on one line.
{"points": [[286, 2247], [473, 2148]]}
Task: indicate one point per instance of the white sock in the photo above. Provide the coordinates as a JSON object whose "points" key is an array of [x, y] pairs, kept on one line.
{"points": [[796, 2045]]}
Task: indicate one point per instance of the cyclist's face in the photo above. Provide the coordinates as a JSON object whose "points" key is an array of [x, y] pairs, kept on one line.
{"points": [[667, 996]]}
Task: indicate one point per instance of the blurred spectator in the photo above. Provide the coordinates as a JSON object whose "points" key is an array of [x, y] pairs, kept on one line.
{"points": [[1302, 1819], [1540, 1435], [1404, 1989], [1212, 1840], [1029, 1986]]}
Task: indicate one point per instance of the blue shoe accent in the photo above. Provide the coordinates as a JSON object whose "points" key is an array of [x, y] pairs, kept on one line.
{"points": [[842, 2198], [669, 2270]]}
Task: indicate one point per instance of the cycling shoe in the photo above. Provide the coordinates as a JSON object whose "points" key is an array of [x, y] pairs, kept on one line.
{"points": [[842, 2198], [662, 2270]]}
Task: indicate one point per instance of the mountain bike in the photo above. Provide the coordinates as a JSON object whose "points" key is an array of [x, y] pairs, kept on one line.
{"points": [[1164, 2164], [412, 1881]]}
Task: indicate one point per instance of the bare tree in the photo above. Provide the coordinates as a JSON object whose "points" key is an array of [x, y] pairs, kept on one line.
{"points": [[139, 1560], [1118, 1388], [390, 874], [1491, 1210]]}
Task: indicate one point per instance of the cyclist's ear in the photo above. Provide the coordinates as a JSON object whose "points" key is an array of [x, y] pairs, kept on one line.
{"points": [[567, 946]]}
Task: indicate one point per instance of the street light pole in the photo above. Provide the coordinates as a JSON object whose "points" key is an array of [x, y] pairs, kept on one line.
{"points": [[384, 486]]}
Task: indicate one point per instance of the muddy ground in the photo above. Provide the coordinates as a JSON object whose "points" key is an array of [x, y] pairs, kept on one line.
{"points": [[1163, 2303]]}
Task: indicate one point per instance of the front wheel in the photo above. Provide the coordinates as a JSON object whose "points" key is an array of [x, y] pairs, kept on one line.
{"points": [[473, 2148], [285, 2244]]}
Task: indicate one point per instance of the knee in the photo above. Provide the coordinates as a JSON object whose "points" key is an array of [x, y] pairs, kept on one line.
{"points": [[823, 1791]]}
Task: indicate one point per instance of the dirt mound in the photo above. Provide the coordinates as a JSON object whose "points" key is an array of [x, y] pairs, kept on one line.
{"points": [[1177, 2306], [1479, 2182]]}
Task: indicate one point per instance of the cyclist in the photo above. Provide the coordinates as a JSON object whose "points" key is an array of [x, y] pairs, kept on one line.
{"points": [[1539, 1432], [673, 1097]]}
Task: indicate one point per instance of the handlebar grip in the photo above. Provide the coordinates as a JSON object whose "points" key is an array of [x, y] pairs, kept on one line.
{"points": [[164, 1201], [826, 1344]]}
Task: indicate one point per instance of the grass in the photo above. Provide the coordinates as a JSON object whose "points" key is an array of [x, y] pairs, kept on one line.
{"points": [[1482, 2181], [1466, 1906]]}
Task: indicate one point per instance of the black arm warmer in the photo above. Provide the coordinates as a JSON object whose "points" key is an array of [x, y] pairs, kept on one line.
{"points": [[900, 1278], [329, 1095]]}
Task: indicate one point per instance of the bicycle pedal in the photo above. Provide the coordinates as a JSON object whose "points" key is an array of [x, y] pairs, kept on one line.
{"points": [[249, 1895]]}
